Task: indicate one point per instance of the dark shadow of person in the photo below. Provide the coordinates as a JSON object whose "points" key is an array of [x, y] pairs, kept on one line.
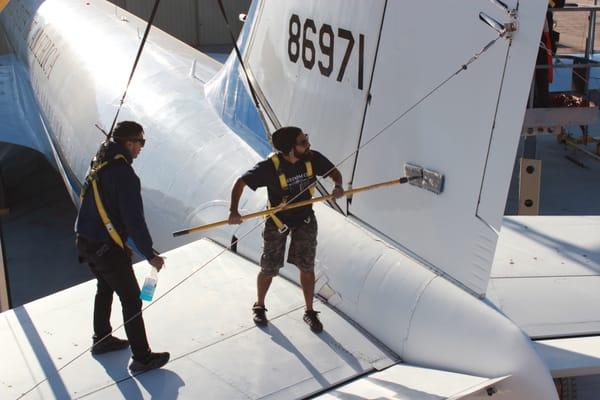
{"points": [[342, 352], [278, 337], [161, 383], [115, 364]]}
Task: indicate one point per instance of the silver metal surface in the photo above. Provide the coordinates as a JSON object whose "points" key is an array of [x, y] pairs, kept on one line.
{"points": [[430, 180], [433, 181], [413, 171]]}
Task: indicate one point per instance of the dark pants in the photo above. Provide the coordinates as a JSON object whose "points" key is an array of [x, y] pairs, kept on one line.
{"points": [[113, 270]]}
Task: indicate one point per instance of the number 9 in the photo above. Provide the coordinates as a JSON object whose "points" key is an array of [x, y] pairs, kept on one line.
{"points": [[327, 50]]}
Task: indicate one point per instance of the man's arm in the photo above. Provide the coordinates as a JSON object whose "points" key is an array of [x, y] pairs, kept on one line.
{"points": [[236, 194], [327, 169], [336, 176], [132, 211]]}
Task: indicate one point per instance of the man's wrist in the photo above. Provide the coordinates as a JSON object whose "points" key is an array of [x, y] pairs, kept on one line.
{"points": [[338, 185]]}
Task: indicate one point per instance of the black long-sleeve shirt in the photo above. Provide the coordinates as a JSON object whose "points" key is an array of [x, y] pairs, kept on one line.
{"points": [[120, 191]]}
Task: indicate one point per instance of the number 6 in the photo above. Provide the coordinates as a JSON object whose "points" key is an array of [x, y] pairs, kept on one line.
{"points": [[307, 44]]}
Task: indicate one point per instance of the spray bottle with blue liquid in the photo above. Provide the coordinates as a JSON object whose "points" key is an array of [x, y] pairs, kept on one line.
{"points": [[150, 282]]}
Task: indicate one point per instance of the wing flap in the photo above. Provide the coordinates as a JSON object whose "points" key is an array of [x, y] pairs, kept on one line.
{"points": [[216, 350], [408, 382]]}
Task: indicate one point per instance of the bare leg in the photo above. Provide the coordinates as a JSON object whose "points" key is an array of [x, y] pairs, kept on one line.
{"points": [[307, 280], [262, 285]]}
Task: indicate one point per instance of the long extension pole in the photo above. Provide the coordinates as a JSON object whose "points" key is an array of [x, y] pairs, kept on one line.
{"points": [[285, 206]]}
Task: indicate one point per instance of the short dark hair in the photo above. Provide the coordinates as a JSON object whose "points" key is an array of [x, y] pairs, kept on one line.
{"points": [[126, 130], [284, 138]]}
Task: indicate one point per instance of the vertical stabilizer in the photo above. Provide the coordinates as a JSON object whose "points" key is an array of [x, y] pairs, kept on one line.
{"points": [[344, 71]]}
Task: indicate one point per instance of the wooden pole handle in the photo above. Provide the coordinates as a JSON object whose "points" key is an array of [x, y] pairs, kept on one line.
{"points": [[290, 206]]}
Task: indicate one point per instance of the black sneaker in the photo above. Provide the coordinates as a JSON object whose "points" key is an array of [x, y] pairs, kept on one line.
{"points": [[110, 343], [312, 319], [260, 316], [151, 361]]}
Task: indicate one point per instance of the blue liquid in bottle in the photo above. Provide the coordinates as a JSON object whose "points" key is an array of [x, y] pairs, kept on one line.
{"points": [[147, 292]]}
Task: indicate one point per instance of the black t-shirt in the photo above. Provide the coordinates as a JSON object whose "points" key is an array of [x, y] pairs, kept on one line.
{"points": [[264, 174]]}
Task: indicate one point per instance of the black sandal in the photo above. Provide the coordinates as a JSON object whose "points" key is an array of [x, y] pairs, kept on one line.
{"points": [[312, 319], [260, 316]]}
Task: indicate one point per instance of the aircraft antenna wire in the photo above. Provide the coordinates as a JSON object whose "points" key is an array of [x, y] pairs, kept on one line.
{"points": [[135, 64], [462, 68]]}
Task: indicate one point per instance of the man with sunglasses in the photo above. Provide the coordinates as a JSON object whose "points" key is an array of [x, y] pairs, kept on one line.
{"points": [[112, 211], [289, 176]]}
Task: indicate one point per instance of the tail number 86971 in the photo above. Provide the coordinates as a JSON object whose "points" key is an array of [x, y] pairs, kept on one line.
{"points": [[301, 44]]}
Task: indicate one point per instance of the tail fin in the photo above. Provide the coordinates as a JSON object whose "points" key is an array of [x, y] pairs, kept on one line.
{"points": [[343, 70]]}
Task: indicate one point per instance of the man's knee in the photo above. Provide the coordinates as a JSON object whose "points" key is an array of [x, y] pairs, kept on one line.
{"points": [[272, 260], [269, 271], [103, 290], [307, 272], [131, 304], [132, 309]]}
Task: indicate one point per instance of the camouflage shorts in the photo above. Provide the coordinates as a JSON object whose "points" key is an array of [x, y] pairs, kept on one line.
{"points": [[302, 250]]}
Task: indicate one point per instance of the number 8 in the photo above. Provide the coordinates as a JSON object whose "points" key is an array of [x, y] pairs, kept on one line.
{"points": [[294, 41]]}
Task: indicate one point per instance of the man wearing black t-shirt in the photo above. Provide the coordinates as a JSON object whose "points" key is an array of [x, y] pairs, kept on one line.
{"points": [[289, 176]]}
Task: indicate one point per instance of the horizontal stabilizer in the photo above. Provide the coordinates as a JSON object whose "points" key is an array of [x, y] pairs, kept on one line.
{"points": [[412, 383], [571, 357], [546, 275], [216, 350]]}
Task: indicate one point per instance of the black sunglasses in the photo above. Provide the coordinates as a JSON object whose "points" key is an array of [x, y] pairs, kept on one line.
{"points": [[140, 141], [304, 142]]}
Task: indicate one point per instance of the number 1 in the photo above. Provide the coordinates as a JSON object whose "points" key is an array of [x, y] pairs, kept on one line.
{"points": [[361, 60]]}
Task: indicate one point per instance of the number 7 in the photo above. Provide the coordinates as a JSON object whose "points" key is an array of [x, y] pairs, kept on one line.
{"points": [[345, 34]]}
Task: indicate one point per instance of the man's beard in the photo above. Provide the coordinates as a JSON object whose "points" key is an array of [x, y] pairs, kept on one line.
{"points": [[302, 156]]}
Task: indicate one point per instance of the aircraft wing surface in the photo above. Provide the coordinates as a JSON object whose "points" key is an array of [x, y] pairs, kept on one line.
{"points": [[216, 350], [546, 275]]}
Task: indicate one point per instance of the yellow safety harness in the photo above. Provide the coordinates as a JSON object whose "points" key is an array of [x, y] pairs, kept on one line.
{"points": [[284, 186], [92, 180]]}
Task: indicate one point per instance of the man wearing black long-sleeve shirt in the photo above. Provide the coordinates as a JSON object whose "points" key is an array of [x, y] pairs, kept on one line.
{"points": [[111, 211]]}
